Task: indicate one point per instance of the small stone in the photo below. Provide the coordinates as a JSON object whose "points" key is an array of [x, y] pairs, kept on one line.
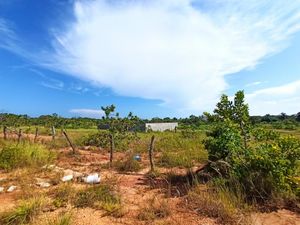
{"points": [[67, 178], [1, 189], [11, 188]]}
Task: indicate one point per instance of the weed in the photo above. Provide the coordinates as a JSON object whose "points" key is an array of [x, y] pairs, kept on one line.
{"points": [[22, 214], [156, 209], [99, 197], [24, 155], [128, 165], [64, 219], [63, 194]]}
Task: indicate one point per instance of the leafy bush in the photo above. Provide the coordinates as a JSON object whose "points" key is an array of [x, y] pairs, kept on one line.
{"points": [[24, 155], [264, 168]]}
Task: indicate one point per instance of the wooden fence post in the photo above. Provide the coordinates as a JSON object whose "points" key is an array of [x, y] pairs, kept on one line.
{"points": [[69, 141], [53, 133], [151, 153], [5, 132], [112, 147], [36, 134], [19, 135]]}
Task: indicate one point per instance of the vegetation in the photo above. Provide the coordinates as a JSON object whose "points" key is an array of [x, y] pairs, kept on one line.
{"points": [[23, 213], [264, 168], [13, 155]]}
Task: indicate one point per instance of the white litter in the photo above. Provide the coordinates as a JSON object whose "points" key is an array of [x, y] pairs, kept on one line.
{"points": [[92, 179], [1, 189], [11, 188], [67, 178]]}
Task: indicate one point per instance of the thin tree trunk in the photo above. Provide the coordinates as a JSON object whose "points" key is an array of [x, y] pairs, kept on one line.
{"points": [[151, 153], [19, 135], [5, 133], [112, 148], [36, 134], [69, 141]]}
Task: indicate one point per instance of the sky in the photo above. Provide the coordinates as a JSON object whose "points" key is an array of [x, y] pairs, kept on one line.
{"points": [[155, 58]]}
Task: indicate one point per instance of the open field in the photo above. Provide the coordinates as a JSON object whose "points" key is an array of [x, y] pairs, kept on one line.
{"points": [[167, 196]]}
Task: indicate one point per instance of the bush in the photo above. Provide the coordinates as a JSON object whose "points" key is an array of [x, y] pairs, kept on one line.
{"points": [[24, 155]]}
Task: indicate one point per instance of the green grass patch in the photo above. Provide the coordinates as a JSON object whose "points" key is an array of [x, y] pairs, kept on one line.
{"points": [[25, 154]]}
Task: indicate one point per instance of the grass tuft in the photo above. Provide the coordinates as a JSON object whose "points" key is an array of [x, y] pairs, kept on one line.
{"points": [[22, 214]]}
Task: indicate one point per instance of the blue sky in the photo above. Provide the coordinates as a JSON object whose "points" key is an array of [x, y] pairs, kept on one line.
{"points": [[154, 58]]}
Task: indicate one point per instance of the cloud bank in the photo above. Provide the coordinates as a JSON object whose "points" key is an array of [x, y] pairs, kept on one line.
{"points": [[92, 113], [284, 98], [176, 51]]}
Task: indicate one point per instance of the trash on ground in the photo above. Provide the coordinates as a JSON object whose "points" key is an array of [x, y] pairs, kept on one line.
{"points": [[92, 179], [137, 158], [67, 178], [11, 188], [1, 189]]}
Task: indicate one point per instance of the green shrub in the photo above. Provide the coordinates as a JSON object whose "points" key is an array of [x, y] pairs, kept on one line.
{"points": [[24, 155]]}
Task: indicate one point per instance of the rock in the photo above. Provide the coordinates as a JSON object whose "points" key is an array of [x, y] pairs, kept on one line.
{"points": [[2, 179], [67, 178], [43, 183], [11, 188], [92, 179], [1, 189], [75, 174]]}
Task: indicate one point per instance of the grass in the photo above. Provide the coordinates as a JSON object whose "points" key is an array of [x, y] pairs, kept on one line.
{"points": [[227, 207], [24, 213], [156, 209], [129, 164], [64, 219], [22, 155], [63, 194], [99, 197]]}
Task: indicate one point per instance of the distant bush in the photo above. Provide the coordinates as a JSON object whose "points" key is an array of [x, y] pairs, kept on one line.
{"points": [[14, 155]]}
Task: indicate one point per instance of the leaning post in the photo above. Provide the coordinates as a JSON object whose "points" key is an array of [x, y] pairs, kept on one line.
{"points": [[151, 153]]}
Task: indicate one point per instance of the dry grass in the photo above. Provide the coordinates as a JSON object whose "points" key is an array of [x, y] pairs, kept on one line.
{"points": [[24, 213], [221, 204], [155, 209]]}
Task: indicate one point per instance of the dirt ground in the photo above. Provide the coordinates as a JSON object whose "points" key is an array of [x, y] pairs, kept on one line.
{"points": [[135, 189]]}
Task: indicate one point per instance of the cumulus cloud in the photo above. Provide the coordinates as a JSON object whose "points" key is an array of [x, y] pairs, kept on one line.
{"points": [[176, 51], [274, 100], [92, 113]]}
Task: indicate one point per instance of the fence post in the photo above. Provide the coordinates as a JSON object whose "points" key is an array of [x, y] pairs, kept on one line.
{"points": [[36, 134], [151, 153], [69, 141], [5, 132], [19, 135], [53, 133], [112, 147]]}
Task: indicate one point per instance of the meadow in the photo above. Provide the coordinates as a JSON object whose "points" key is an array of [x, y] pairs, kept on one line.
{"points": [[222, 172]]}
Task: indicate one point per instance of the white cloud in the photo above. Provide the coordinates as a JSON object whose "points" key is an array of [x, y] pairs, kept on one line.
{"points": [[93, 113], [170, 50], [274, 100], [254, 84]]}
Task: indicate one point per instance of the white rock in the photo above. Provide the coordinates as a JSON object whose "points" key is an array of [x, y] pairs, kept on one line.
{"points": [[11, 188], [92, 179], [43, 184], [1, 189], [67, 178]]}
